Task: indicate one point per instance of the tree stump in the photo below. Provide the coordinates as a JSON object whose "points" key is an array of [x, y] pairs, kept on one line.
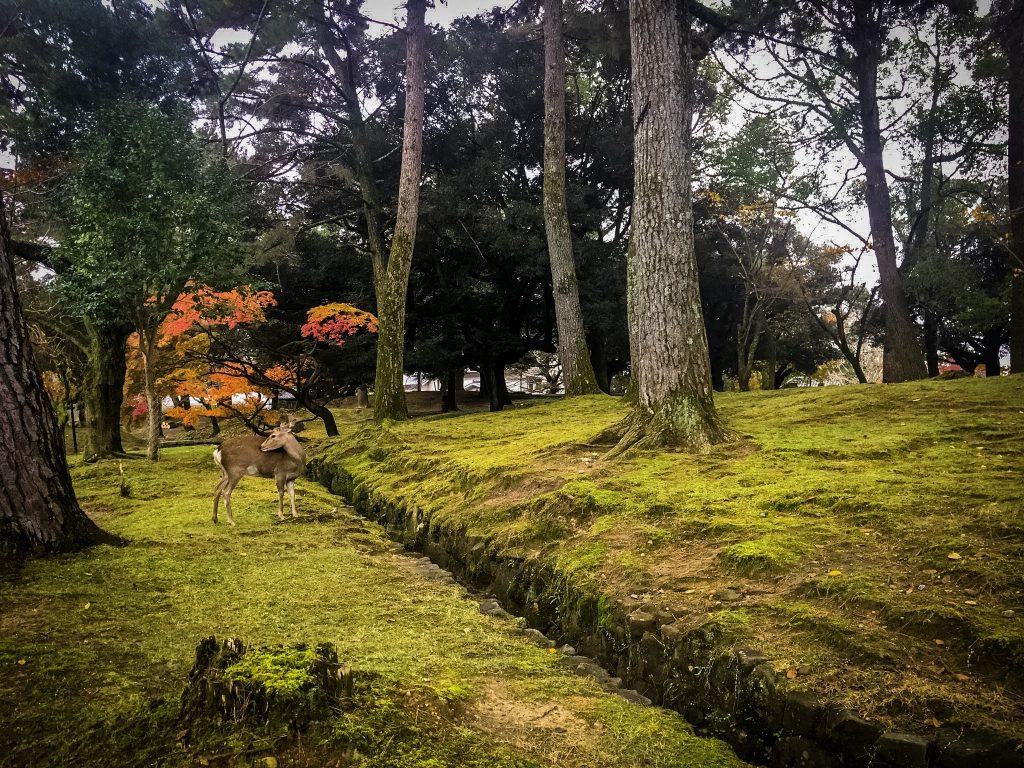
{"points": [[277, 689]]}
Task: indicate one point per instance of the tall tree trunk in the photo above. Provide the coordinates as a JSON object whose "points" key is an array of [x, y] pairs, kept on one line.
{"points": [[577, 371], [902, 359], [393, 283], [674, 398], [931, 343], [1011, 23], [105, 387], [154, 407], [38, 509], [599, 361], [450, 388]]}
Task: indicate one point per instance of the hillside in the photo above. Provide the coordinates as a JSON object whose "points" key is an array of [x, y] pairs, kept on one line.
{"points": [[866, 539]]}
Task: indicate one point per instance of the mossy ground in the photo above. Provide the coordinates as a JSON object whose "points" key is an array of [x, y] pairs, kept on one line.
{"points": [[95, 647], [875, 533]]}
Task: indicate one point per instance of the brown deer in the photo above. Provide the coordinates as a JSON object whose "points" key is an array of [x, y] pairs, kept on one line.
{"points": [[278, 456]]}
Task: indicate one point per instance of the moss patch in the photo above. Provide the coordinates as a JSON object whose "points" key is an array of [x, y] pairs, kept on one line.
{"points": [[95, 647], [872, 534]]}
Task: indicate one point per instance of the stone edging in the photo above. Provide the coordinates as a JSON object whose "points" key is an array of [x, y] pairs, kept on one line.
{"points": [[732, 695]]}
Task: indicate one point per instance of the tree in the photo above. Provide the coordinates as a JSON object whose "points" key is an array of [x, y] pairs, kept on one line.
{"points": [[577, 371], [146, 214], [832, 52], [1009, 18], [392, 278], [674, 403], [38, 509]]}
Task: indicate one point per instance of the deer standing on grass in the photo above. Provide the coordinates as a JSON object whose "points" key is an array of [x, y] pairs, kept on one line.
{"points": [[278, 456]]}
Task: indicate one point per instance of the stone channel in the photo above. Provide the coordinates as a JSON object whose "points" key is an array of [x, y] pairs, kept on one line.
{"points": [[644, 656]]}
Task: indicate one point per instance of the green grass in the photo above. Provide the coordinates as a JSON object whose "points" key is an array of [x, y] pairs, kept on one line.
{"points": [[839, 504], [95, 647]]}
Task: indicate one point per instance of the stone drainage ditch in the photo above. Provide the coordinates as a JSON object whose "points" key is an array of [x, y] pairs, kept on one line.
{"points": [[643, 655]]}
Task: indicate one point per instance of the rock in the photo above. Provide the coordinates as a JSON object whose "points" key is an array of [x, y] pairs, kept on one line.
{"points": [[641, 621], [568, 650], [902, 750], [590, 669], [573, 661], [633, 697], [801, 714], [749, 659], [728, 595], [537, 636], [798, 752], [854, 736], [960, 747], [1008, 614]]}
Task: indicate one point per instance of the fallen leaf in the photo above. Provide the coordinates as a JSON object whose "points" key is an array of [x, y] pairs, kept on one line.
{"points": [[88, 606], [970, 602], [935, 723], [791, 673], [835, 573], [552, 650], [910, 591], [22, 662], [940, 642], [953, 555], [961, 677]]}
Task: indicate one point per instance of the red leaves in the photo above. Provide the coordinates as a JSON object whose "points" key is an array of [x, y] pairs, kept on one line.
{"points": [[334, 323]]}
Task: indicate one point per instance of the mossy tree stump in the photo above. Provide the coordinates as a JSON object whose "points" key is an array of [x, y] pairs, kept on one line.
{"points": [[280, 689]]}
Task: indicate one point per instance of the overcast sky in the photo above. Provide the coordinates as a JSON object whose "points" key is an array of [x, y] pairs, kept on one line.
{"points": [[394, 10]]}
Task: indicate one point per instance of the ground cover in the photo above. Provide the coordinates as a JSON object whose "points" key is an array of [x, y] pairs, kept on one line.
{"points": [[868, 539], [95, 647]]}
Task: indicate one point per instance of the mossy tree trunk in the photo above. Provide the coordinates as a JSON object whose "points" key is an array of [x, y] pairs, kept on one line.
{"points": [[577, 371], [671, 366], [105, 386], [38, 509], [902, 359], [1010, 15], [154, 407], [393, 282]]}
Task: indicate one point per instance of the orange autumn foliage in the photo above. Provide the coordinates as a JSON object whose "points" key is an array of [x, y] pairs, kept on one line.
{"points": [[334, 323]]}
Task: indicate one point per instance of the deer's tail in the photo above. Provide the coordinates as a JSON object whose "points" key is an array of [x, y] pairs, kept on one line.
{"points": [[217, 457]]}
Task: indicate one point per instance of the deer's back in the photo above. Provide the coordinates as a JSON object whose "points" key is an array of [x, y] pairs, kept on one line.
{"points": [[242, 455]]}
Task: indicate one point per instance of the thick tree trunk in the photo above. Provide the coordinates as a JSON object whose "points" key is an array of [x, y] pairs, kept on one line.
{"points": [[393, 283], [105, 387], [1011, 22], [902, 359], [38, 509], [214, 426], [450, 388], [577, 372], [674, 399]]}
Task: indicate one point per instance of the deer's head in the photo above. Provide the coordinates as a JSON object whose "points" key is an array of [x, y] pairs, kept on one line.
{"points": [[278, 437]]}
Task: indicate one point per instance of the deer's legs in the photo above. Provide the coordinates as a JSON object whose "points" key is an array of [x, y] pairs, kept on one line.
{"points": [[280, 499], [291, 497], [229, 486], [216, 495]]}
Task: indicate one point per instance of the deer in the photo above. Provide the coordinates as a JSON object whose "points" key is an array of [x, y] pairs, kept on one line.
{"points": [[279, 456]]}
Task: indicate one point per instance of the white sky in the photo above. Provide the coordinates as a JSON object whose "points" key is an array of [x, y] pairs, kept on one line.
{"points": [[394, 10]]}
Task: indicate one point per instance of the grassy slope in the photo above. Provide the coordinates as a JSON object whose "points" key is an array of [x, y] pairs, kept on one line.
{"points": [[95, 647], [839, 518]]}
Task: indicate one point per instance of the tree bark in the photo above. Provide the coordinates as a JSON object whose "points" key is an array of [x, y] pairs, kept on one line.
{"points": [[105, 387], [577, 371], [931, 343], [674, 398], [38, 509], [902, 359], [154, 407], [392, 286], [1010, 16], [450, 387]]}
